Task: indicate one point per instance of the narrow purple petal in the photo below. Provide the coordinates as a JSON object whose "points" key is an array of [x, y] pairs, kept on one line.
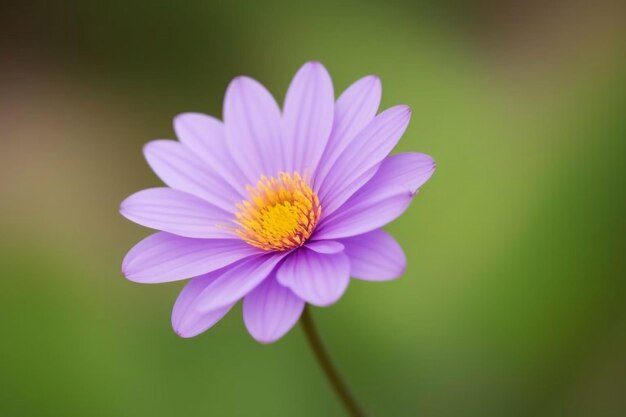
{"points": [[205, 137], [307, 117], [182, 170], [317, 278], [325, 246], [186, 320], [179, 213], [382, 199], [331, 203], [375, 256], [253, 128], [365, 212], [410, 170], [271, 310], [354, 109], [237, 281], [362, 156], [198, 132], [164, 257]]}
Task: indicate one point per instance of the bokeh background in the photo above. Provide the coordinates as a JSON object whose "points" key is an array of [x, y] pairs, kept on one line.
{"points": [[514, 301]]}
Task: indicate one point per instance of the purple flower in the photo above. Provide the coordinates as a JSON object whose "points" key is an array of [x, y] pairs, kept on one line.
{"points": [[276, 208]]}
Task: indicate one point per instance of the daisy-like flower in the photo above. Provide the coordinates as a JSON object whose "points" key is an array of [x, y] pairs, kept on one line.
{"points": [[278, 208]]}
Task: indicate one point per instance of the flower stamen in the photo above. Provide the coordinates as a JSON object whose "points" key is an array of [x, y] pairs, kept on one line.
{"points": [[280, 214]]}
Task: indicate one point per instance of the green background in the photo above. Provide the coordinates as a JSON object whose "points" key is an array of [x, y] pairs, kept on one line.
{"points": [[513, 303]]}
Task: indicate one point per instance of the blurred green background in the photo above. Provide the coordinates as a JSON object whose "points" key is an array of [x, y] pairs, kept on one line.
{"points": [[514, 299]]}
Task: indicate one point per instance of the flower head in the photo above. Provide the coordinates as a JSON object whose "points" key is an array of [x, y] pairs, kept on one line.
{"points": [[278, 208]]}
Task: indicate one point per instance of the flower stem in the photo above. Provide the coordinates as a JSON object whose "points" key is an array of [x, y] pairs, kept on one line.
{"points": [[315, 342]]}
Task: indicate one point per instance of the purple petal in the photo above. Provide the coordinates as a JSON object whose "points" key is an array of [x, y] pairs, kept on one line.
{"points": [[362, 156], [332, 203], [375, 256], [382, 199], [410, 170], [177, 212], [271, 310], [307, 117], [205, 137], [354, 109], [252, 120], [164, 257], [182, 170], [325, 246], [237, 281], [316, 278], [186, 320], [365, 212]]}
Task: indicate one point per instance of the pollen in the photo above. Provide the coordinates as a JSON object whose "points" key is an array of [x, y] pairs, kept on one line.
{"points": [[281, 213]]}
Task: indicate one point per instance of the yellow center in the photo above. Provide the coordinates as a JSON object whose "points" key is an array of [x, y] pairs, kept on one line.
{"points": [[281, 213]]}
